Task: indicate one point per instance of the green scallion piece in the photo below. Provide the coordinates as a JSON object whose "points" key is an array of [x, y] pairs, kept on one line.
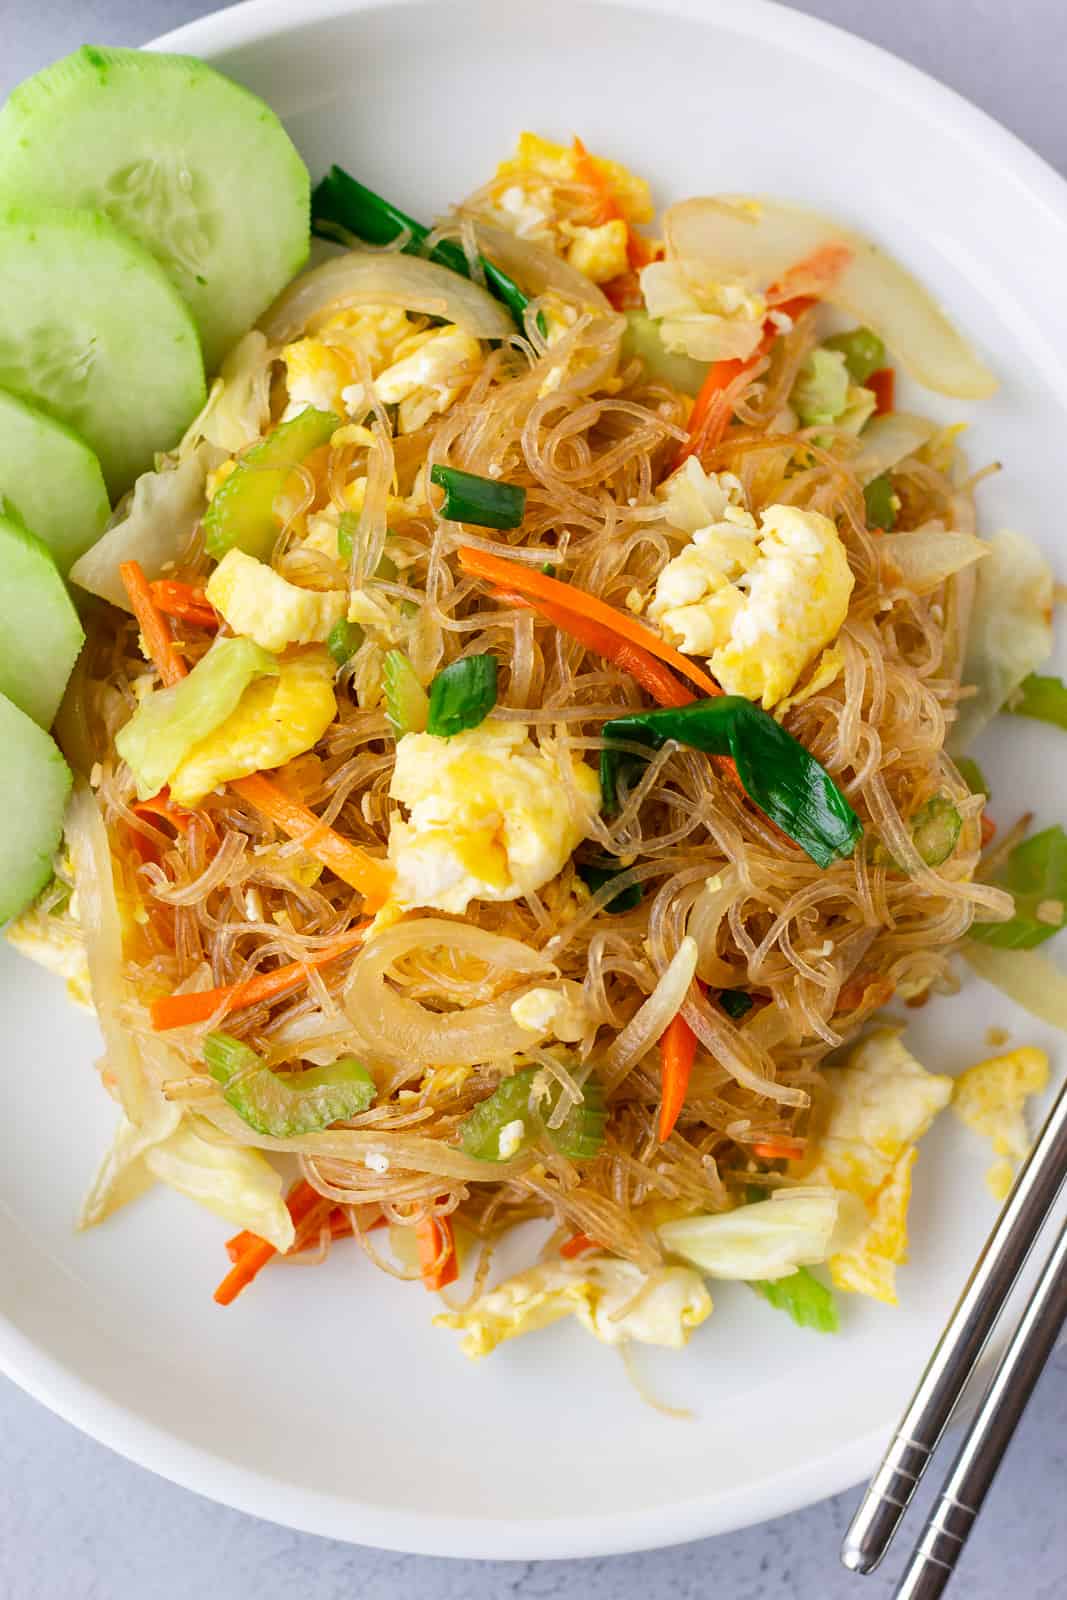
{"points": [[878, 499], [343, 640], [462, 695], [481, 501], [735, 1002], [595, 874]]}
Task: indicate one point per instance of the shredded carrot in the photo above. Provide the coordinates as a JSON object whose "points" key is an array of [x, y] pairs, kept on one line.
{"points": [[340, 1228], [624, 292], [780, 1148], [161, 805], [185, 602], [301, 1202], [437, 1252], [179, 1010], [639, 250], [158, 639], [538, 586], [576, 1245], [373, 878], [989, 830], [883, 385], [677, 1050], [810, 278]]}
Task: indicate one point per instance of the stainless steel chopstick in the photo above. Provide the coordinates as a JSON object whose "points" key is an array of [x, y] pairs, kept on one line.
{"points": [[960, 1346], [934, 1558]]}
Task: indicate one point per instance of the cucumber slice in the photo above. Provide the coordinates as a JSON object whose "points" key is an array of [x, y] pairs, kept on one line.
{"points": [[94, 332], [51, 479], [40, 634], [194, 166], [33, 791]]}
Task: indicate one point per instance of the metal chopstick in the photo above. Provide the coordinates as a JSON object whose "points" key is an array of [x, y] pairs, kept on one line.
{"points": [[960, 1346], [934, 1558]]}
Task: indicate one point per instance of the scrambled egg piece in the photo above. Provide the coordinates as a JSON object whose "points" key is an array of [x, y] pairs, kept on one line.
{"points": [[760, 602], [883, 1101], [488, 818], [275, 720], [601, 252], [527, 188], [700, 316], [560, 1011], [318, 369], [259, 603], [991, 1097], [430, 371], [664, 1307], [56, 943]]}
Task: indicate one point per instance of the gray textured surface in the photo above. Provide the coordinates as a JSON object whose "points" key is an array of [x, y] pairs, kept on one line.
{"points": [[79, 1523]]}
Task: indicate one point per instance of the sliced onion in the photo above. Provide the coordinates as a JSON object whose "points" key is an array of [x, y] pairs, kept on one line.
{"points": [[926, 556], [398, 1032], [361, 278], [650, 1020], [536, 268], [1009, 633], [98, 914], [1025, 976], [887, 441], [742, 236]]}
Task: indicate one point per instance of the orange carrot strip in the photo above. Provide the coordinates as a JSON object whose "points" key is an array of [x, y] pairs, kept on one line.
{"points": [[780, 1148], [577, 1245], [184, 601], [587, 172], [340, 1228], [179, 1010], [883, 385], [161, 805], [989, 830], [810, 277], [373, 878], [624, 292], [539, 586], [437, 1252], [301, 1202], [158, 639], [677, 1049]]}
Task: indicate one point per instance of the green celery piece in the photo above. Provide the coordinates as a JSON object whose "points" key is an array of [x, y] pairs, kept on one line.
{"points": [[342, 201], [284, 1106], [1036, 875], [169, 722], [483, 502], [1043, 698], [595, 874], [735, 1002], [862, 349], [972, 775], [642, 338], [579, 1136], [775, 770], [810, 1303], [407, 705], [241, 516], [343, 640], [462, 695], [878, 500]]}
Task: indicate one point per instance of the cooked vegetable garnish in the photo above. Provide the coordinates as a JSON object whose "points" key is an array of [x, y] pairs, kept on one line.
{"points": [[304, 1204], [677, 1052], [347, 528], [1035, 874], [168, 723], [878, 499], [182, 1010], [777, 772], [241, 516], [353, 865], [343, 640], [517, 1114], [595, 874], [810, 1303], [462, 695], [1043, 698], [284, 1105], [485, 502], [407, 705], [158, 641], [935, 829], [438, 1262], [862, 349], [735, 1002], [344, 201], [972, 775]]}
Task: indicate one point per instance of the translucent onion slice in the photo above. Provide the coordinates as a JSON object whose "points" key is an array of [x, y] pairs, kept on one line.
{"points": [[361, 278], [536, 268], [759, 239], [887, 441], [926, 556]]}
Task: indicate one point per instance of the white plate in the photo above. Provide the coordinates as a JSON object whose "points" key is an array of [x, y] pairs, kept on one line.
{"points": [[325, 1399]]}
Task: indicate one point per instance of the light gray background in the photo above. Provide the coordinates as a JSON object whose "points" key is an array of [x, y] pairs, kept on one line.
{"points": [[78, 1523]]}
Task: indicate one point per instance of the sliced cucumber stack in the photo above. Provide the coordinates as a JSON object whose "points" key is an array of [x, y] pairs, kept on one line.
{"points": [[51, 479], [40, 634], [194, 166], [36, 786], [93, 331]]}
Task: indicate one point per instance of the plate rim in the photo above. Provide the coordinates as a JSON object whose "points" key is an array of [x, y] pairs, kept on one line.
{"points": [[86, 1405]]}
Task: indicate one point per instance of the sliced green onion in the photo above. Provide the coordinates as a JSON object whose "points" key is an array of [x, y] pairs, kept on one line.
{"points": [[1043, 698], [776, 772], [286, 1105], [735, 1002], [347, 528], [484, 502], [241, 514], [878, 498], [407, 705], [343, 640], [1035, 874], [343, 201], [810, 1303], [862, 349], [462, 695], [595, 874], [935, 829], [579, 1137]]}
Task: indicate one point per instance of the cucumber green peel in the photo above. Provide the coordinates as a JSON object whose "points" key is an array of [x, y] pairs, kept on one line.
{"points": [[284, 1106], [241, 515], [579, 1136]]}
